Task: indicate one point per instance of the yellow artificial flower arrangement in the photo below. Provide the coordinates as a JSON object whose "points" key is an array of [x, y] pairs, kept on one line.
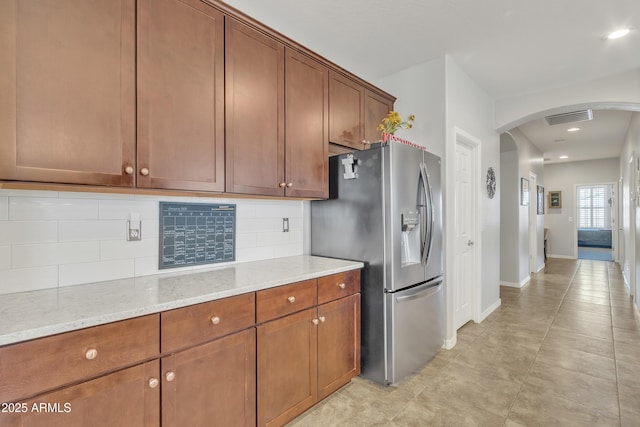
{"points": [[393, 122]]}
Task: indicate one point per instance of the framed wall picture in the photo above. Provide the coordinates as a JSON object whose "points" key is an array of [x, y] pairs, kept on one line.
{"points": [[555, 199], [540, 200], [524, 191]]}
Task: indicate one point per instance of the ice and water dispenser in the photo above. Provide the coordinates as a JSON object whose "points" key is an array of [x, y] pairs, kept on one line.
{"points": [[410, 245]]}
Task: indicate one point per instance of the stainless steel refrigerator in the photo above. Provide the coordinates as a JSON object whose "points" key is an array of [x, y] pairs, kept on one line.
{"points": [[384, 209]]}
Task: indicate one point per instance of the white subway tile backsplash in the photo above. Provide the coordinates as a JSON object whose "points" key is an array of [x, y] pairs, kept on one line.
{"points": [[5, 257], [22, 232], [46, 208], [75, 274], [121, 249], [71, 231], [4, 208], [28, 279], [50, 239], [121, 209], [37, 255]]}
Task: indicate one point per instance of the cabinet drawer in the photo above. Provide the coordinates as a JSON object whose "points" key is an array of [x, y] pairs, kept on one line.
{"points": [[199, 323], [283, 300], [338, 285], [36, 366]]}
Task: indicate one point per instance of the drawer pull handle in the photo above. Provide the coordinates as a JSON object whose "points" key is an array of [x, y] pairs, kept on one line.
{"points": [[144, 172], [153, 382], [91, 354], [315, 321], [289, 184], [322, 319], [215, 320], [170, 376], [128, 170], [292, 299], [342, 285], [282, 184]]}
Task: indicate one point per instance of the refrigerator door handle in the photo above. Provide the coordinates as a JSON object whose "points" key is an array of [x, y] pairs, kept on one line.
{"points": [[423, 294], [428, 241]]}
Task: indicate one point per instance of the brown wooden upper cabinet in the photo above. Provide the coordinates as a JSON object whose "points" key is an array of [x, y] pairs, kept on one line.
{"points": [[254, 105], [376, 108], [67, 91], [266, 87], [180, 95], [354, 112], [346, 111]]}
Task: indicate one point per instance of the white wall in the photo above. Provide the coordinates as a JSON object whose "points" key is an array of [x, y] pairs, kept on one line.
{"points": [[50, 239], [564, 177], [609, 92], [470, 109], [509, 216], [631, 228], [516, 229]]}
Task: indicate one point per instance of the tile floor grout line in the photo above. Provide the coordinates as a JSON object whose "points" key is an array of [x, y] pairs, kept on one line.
{"points": [[615, 358], [515, 399]]}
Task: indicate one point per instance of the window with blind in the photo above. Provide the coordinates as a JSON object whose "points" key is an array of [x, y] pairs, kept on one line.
{"points": [[591, 206]]}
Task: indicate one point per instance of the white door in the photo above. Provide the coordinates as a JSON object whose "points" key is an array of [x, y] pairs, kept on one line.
{"points": [[465, 277]]}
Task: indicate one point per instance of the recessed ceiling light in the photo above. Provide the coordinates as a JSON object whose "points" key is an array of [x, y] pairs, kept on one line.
{"points": [[573, 129], [619, 33], [564, 157]]}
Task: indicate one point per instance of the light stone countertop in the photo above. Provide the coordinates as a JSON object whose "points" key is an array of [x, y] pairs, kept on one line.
{"points": [[29, 315]]}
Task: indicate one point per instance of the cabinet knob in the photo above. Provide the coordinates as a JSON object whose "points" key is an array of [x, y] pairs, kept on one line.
{"points": [[366, 142], [342, 285], [170, 376], [282, 184], [128, 170], [322, 319], [315, 321], [144, 171], [153, 382], [289, 184], [91, 354], [291, 299], [215, 320]]}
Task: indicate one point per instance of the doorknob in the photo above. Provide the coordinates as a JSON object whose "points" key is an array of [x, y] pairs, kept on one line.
{"points": [[470, 243]]}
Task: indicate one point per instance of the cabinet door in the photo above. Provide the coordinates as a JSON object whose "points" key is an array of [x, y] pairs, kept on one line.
{"points": [[67, 91], [287, 367], [307, 126], [338, 344], [346, 111], [180, 95], [376, 108], [213, 384], [124, 398], [254, 121]]}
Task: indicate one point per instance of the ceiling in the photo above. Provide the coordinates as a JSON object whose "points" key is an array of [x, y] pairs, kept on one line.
{"points": [[508, 48]]}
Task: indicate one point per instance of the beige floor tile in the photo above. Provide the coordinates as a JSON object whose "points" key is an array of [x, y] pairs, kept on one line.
{"points": [[536, 407], [586, 307], [579, 361], [630, 400], [584, 389], [628, 336], [420, 413], [575, 291], [626, 311], [587, 298], [563, 338], [627, 351], [585, 328], [583, 316], [627, 323]]}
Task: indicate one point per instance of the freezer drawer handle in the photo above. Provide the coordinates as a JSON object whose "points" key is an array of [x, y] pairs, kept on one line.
{"points": [[291, 299], [426, 293], [341, 285]]}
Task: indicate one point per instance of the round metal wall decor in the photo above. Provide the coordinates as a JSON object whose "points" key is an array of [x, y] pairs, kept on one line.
{"points": [[491, 183]]}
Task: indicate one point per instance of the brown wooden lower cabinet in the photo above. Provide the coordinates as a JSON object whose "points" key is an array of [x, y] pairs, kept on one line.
{"points": [[304, 357], [212, 384], [236, 374], [123, 398], [338, 344]]}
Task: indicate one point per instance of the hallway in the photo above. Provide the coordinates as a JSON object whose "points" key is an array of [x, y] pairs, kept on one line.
{"points": [[564, 350]]}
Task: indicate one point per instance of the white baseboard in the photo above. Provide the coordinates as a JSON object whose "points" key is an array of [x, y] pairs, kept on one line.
{"points": [[490, 310], [541, 267], [560, 256], [450, 343], [524, 282]]}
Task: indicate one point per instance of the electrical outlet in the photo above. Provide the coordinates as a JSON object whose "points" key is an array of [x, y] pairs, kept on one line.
{"points": [[285, 225], [134, 228]]}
